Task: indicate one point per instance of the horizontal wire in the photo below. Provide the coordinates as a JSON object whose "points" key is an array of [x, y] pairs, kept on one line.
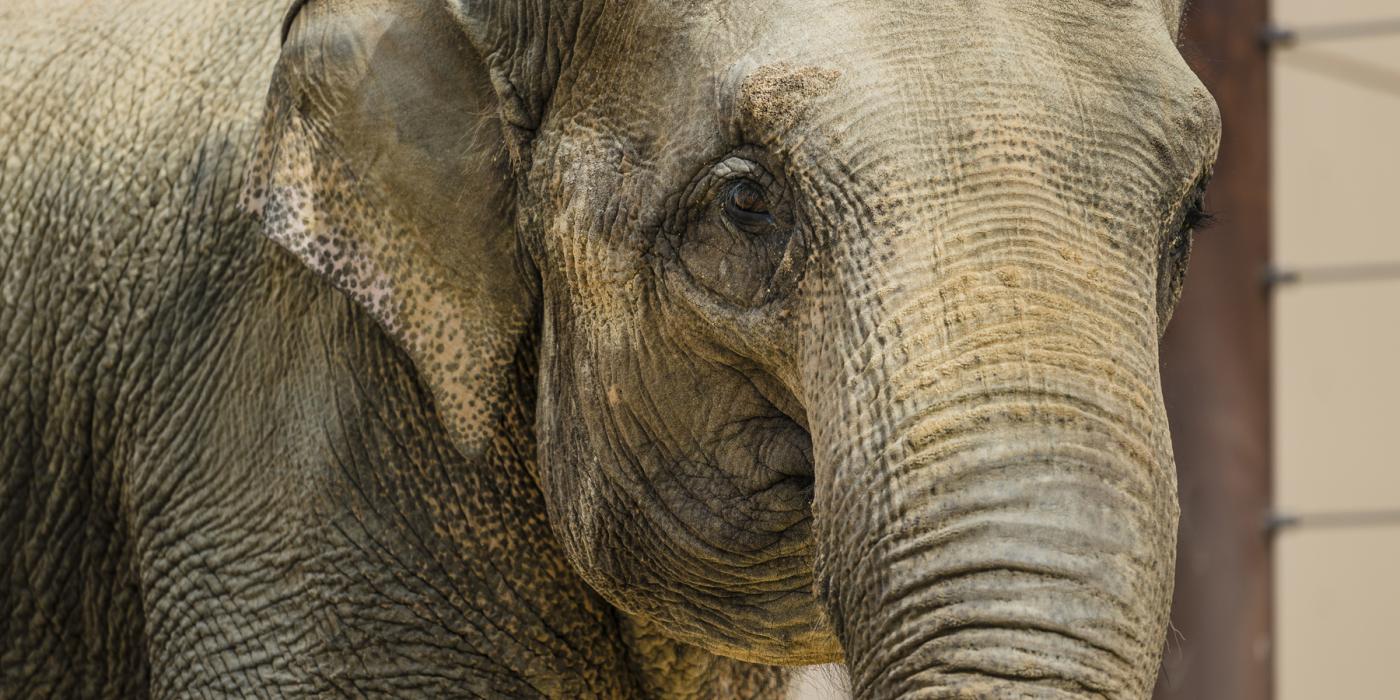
{"points": [[1334, 519], [1325, 274], [1345, 69], [1370, 76], [1284, 37]]}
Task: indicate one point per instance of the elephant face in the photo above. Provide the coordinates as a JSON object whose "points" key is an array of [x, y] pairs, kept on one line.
{"points": [[841, 319]]}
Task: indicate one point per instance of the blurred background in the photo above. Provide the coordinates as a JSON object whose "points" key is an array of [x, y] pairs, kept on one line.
{"points": [[1282, 368]]}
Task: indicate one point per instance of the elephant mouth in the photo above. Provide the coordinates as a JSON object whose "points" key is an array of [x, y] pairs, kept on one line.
{"points": [[782, 452], [748, 565], [773, 484], [767, 454]]}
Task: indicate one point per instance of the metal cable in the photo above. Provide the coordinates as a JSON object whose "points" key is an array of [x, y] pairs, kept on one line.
{"points": [[1286, 37], [1335, 519], [1325, 274], [1349, 70]]}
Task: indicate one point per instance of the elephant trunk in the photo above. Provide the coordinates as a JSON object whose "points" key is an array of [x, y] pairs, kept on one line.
{"points": [[995, 505]]}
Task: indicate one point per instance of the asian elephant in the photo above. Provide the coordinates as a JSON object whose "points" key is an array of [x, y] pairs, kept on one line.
{"points": [[515, 348]]}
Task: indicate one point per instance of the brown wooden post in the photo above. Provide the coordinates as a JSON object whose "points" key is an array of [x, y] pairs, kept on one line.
{"points": [[1216, 374]]}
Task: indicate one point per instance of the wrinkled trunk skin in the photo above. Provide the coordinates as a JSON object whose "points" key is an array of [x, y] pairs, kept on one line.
{"points": [[1015, 532], [995, 496], [995, 507], [995, 501]]}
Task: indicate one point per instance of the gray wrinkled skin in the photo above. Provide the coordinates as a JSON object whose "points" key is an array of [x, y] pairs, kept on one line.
{"points": [[588, 349]]}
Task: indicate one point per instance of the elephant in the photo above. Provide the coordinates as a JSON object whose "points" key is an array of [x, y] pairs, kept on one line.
{"points": [[590, 349]]}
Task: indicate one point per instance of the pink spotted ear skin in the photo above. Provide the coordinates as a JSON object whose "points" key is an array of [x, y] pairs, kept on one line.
{"points": [[315, 211], [331, 178]]}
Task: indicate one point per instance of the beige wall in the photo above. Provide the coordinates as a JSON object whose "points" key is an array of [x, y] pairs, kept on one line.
{"points": [[1337, 362]]}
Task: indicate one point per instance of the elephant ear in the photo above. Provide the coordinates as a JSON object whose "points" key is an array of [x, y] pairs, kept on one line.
{"points": [[382, 166]]}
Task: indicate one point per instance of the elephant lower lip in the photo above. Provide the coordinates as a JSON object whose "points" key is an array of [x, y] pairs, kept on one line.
{"points": [[779, 397], [781, 504], [792, 490], [787, 450]]}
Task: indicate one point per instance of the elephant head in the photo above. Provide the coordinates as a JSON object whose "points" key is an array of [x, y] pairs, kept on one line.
{"points": [[840, 319]]}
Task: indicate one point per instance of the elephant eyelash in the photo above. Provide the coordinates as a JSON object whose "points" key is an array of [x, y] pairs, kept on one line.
{"points": [[1197, 218]]}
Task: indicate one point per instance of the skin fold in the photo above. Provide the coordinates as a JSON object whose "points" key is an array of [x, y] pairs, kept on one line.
{"points": [[574, 349]]}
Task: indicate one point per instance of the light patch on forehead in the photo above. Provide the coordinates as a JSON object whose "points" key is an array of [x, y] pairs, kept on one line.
{"points": [[774, 96]]}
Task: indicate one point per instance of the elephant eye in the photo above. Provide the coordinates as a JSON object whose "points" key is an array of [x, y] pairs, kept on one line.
{"points": [[1176, 252], [736, 239], [746, 204], [1197, 218]]}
